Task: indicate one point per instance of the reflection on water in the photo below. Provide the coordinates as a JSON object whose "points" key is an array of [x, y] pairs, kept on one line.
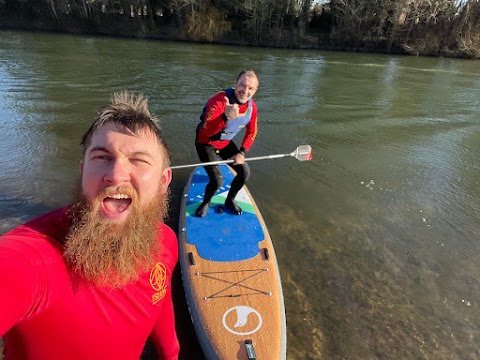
{"points": [[377, 236]]}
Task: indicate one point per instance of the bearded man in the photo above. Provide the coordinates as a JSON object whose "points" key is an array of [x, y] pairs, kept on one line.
{"points": [[93, 280]]}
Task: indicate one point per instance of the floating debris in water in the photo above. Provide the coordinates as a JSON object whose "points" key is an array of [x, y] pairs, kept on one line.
{"points": [[370, 185]]}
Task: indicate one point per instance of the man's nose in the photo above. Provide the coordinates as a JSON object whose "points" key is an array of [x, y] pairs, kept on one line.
{"points": [[118, 172]]}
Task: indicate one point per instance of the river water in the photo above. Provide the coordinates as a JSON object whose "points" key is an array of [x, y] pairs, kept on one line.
{"points": [[377, 236]]}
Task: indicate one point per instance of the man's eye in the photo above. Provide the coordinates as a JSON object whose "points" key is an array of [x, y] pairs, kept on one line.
{"points": [[101, 157], [140, 161]]}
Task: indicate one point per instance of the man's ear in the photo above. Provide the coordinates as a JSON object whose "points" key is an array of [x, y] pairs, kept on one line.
{"points": [[81, 167], [166, 180]]}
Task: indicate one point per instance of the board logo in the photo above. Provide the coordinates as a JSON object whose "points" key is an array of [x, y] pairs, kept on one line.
{"points": [[158, 281], [242, 320]]}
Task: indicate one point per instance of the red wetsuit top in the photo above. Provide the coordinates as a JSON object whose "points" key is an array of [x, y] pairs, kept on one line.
{"points": [[214, 122], [45, 313]]}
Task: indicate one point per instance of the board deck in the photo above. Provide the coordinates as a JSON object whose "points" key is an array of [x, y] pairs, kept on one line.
{"points": [[230, 275]]}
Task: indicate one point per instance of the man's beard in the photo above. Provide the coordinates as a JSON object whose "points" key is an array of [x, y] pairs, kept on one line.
{"points": [[111, 253]]}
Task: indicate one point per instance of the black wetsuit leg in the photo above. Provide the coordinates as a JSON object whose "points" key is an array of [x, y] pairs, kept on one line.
{"points": [[242, 170], [208, 153]]}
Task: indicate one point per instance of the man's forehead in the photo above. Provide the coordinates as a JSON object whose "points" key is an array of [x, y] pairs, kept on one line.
{"points": [[117, 129], [248, 78], [118, 133]]}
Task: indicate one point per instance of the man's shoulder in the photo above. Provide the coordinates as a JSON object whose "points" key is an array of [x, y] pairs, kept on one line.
{"points": [[44, 231], [167, 230], [168, 244], [33, 245], [168, 236], [219, 96]]}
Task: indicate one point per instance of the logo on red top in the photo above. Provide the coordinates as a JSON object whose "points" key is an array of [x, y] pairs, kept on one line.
{"points": [[158, 280]]}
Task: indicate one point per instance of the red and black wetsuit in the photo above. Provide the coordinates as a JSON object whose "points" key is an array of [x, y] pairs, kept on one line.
{"points": [[46, 313], [214, 137]]}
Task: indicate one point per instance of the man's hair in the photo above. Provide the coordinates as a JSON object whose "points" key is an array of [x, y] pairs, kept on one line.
{"points": [[131, 111], [249, 73]]}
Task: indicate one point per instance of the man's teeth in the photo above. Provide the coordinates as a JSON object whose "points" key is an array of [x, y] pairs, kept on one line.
{"points": [[120, 196]]}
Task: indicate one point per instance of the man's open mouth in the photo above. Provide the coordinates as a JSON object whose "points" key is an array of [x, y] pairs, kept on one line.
{"points": [[117, 203]]}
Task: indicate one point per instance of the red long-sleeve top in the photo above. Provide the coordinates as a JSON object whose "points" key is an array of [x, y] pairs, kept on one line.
{"points": [[215, 120], [46, 313]]}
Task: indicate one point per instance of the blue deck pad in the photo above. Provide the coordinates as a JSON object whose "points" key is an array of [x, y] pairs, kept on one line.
{"points": [[221, 236]]}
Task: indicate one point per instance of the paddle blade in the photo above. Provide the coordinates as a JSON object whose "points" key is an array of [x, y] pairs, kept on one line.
{"points": [[303, 153]]}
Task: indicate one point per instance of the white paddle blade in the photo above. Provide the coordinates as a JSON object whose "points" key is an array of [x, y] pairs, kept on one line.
{"points": [[303, 153]]}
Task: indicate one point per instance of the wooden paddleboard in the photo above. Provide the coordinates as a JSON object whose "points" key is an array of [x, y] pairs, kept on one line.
{"points": [[230, 275]]}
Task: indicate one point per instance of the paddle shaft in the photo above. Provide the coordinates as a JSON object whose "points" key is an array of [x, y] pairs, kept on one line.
{"points": [[231, 161]]}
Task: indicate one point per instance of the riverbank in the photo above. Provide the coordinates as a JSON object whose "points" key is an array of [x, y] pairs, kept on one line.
{"points": [[313, 40]]}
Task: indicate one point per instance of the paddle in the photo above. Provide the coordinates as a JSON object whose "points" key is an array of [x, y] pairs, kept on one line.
{"points": [[301, 153]]}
